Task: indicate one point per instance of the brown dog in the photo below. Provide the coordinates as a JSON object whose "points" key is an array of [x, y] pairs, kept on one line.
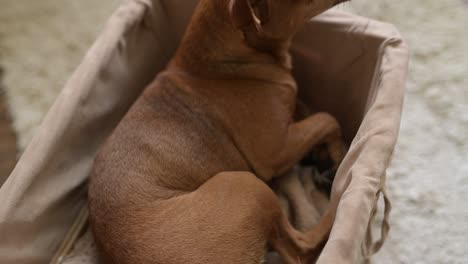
{"points": [[182, 178]]}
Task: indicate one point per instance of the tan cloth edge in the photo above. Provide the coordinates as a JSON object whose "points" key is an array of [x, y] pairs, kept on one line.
{"points": [[395, 53], [26, 173]]}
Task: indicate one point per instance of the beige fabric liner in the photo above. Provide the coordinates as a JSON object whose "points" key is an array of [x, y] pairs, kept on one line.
{"points": [[353, 67]]}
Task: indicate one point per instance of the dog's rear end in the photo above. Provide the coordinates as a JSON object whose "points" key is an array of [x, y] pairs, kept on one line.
{"points": [[174, 183]]}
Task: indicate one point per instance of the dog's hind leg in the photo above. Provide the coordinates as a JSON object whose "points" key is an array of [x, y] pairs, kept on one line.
{"points": [[228, 219], [232, 218]]}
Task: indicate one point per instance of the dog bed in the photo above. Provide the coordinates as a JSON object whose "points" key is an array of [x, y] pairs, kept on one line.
{"points": [[350, 66]]}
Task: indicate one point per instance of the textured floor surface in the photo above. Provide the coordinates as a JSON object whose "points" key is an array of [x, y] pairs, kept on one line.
{"points": [[41, 42]]}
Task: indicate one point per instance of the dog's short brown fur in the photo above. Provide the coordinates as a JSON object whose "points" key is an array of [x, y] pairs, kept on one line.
{"points": [[182, 178]]}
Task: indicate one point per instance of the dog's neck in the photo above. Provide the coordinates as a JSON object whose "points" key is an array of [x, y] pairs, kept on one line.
{"points": [[213, 47]]}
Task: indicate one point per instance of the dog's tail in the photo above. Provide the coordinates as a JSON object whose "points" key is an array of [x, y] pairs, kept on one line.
{"points": [[231, 219]]}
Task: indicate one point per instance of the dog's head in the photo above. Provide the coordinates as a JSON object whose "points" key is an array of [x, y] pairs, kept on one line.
{"points": [[275, 20]]}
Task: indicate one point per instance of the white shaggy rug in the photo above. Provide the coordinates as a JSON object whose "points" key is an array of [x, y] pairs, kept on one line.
{"points": [[41, 42]]}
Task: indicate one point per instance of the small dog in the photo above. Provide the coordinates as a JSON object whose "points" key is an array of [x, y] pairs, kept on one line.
{"points": [[182, 178]]}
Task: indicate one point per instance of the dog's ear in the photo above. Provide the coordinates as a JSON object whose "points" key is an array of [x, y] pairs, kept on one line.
{"points": [[248, 12]]}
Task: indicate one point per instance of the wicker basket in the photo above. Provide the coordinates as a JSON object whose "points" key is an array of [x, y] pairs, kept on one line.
{"points": [[351, 66]]}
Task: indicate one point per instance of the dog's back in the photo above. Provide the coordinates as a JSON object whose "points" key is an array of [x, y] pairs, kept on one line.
{"points": [[174, 183], [164, 148]]}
